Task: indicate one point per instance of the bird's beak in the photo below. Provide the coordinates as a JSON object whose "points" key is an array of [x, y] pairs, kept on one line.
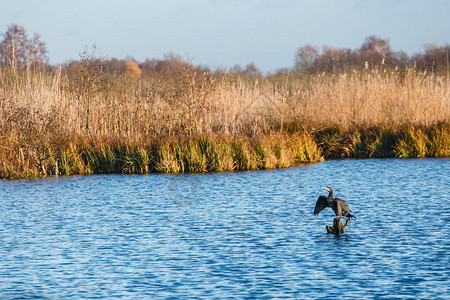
{"points": [[325, 188]]}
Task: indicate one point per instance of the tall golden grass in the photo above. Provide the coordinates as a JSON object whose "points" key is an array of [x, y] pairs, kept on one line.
{"points": [[49, 110]]}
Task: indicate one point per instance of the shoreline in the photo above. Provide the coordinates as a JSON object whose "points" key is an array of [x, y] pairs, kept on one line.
{"points": [[78, 156]]}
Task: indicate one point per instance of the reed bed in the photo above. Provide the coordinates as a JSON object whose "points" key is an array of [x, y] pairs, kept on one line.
{"points": [[87, 121], [168, 156]]}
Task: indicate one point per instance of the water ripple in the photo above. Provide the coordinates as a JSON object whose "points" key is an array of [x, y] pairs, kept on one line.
{"points": [[243, 235]]}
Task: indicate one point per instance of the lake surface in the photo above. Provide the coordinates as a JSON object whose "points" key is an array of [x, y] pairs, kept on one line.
{"points": [[243, 235]]}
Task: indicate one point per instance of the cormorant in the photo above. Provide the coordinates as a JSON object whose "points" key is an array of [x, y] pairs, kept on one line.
{"points": [[339, 206]]}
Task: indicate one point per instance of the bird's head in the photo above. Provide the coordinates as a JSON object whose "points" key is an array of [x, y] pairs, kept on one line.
{"points": [[327, 188]]}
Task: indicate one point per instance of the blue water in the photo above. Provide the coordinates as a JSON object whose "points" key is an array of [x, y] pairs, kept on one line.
{"points": [[243, 235]]}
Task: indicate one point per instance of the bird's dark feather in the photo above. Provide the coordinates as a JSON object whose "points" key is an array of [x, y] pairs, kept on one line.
{"points": [[339, 206], [345, 209], [321, 203]]}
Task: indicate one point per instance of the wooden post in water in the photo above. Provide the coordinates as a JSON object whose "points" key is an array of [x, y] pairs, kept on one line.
{"points": [[337, 228]]}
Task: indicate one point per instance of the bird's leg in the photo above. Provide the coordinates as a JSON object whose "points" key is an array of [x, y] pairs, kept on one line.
{"points": [[329, 229], [346, 222]]}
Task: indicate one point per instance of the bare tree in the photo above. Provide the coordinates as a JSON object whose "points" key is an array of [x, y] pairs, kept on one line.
{"points": [[435, 58], [172, 63], [251, 70], [305, 58], [374, 50], [17, 50], [236, 69], [331, 59]]}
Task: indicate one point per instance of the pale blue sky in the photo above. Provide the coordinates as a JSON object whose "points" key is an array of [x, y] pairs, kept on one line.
{"points": [[224, 33]]}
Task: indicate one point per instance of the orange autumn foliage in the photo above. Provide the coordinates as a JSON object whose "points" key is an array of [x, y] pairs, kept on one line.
{"points": [[132, 69]]}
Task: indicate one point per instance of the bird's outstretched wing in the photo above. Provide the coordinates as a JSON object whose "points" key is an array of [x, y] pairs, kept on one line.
{"points": [[321, 203]]}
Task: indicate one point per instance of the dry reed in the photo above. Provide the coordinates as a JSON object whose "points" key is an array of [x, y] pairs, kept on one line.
{"points": [[41, 113]]}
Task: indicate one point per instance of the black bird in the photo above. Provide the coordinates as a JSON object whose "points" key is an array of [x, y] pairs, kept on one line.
{"points": [[339, 206]]}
